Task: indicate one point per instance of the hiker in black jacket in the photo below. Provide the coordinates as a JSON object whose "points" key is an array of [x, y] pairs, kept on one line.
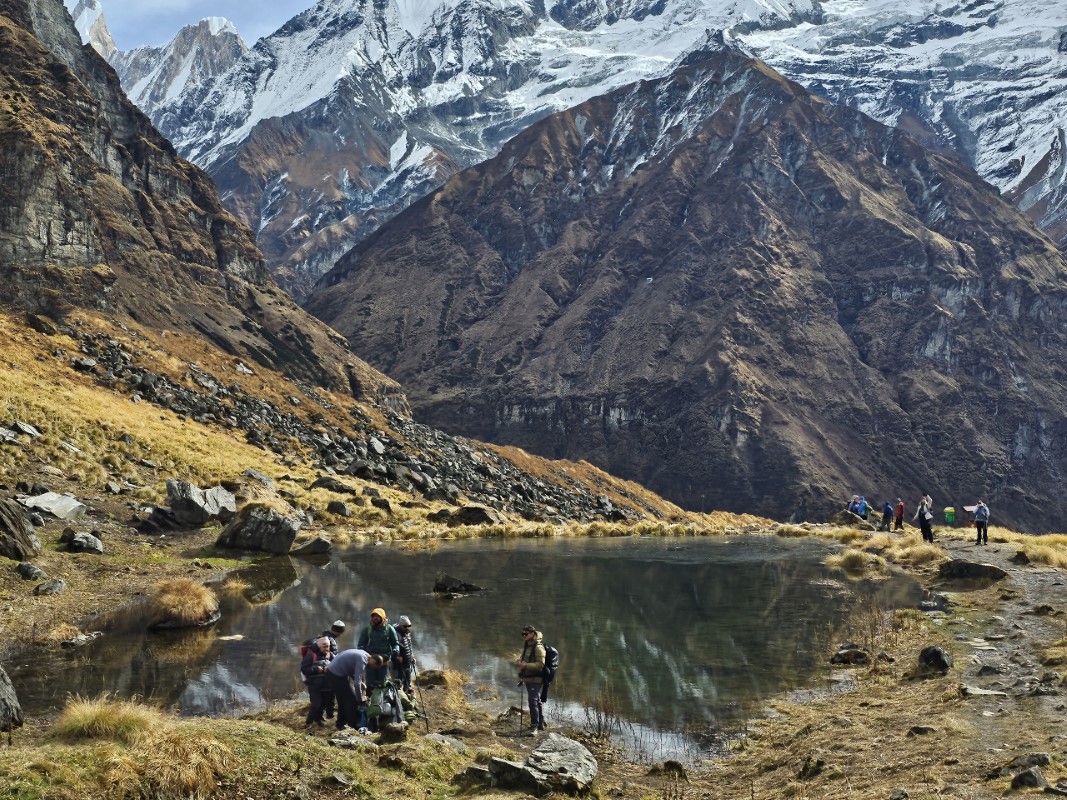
{"points": [[404, 665], [313, 666]]}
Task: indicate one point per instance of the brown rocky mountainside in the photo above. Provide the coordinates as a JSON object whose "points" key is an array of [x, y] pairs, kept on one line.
{"points": [[735, 293], [98, 212]]}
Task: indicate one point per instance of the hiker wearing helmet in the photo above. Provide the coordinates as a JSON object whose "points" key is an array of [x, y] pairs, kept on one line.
{"points": [[531, 666], [380, 639]]}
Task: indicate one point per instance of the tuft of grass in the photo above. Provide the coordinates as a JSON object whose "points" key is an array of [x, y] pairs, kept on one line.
{"points": [[181, 601], [235, 584], [103, 718], [857, 563], [1050, 554]]}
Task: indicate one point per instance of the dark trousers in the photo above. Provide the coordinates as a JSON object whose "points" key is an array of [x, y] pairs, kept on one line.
{"points": [[927, 529], [981, 526], [347, 704], [320, 696], [899, 526], [885, 523], [537, 719]]}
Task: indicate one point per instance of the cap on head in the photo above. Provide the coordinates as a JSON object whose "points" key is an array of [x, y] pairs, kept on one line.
{"points": [[405, 622], [529, 629], [338, 626], [323, 643]]}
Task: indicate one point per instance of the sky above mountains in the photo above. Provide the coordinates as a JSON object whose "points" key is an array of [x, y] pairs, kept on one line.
{"points": [[134, 22]]}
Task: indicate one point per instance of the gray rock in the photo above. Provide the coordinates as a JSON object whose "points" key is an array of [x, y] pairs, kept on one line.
{"points": [[10, 710], [259, 527], [8, 436], [382, 503], [258, 476], [473, 515], [194, 507], [350, 740], [331, 484], [449, 584], [57, 586], [1032, 778], [558, 764], [319, 546], [86, 543], [31, 572], [81, 639], [25, 429], [17, 539], [935, 659], [959, 568], [447, 741], [61, 506], [339, 508]]}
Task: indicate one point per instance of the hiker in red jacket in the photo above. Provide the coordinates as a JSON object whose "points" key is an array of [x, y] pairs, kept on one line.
{"points": [[899, 526]]}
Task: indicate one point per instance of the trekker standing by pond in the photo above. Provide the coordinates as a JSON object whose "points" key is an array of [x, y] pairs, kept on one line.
{"points": [[314, 664], [925, 517], [380, 639], [981, 523], [405, 662], [531, 666], [345, 674]]}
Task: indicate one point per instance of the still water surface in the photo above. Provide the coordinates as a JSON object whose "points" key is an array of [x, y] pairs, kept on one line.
{"points": [[676, 634]]}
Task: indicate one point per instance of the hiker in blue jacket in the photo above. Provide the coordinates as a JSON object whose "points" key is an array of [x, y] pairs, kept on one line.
{"points": [[887, 516], [981, 523]]}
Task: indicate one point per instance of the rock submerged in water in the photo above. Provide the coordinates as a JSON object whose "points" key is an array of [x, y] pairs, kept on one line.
{"points": [[449, 584]]}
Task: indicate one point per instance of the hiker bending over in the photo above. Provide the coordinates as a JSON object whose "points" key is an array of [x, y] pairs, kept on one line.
{"points": [[531, 665], [380, 639], [404, 665], [344, 676], [314, 664]]}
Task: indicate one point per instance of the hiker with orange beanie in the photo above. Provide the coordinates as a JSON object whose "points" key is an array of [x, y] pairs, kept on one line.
{"points": [[380, 639]]}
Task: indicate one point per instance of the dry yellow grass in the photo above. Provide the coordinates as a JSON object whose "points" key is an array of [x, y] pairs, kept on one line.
{"points": [[104, 718], [857, 563], [181, 602]]}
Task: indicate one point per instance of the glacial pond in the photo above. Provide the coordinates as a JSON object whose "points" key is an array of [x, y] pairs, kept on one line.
{"points": [[663, 635]]}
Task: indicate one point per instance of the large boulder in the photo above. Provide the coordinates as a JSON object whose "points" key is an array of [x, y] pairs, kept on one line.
{"points": [[10, 710], [260, 527], [558, 764], [450, 584], [474, 515], [194, 507], [17, 539], [961, 569], [61, 506]]}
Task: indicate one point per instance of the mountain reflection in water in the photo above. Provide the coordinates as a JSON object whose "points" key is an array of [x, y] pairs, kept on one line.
{"points": [[679, 633]]}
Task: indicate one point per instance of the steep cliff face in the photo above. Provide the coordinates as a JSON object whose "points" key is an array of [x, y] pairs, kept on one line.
{"points": [[735, 293], [98, 211]]}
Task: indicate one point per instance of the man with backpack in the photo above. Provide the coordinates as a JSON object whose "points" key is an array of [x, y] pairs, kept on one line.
{"points": [[380, 639], [531, 666], [313, 666], [404, 665], [344, 675]]}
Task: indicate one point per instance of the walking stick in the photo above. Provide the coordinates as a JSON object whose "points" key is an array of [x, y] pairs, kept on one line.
{"points": [[521, 688], [418, 689]]}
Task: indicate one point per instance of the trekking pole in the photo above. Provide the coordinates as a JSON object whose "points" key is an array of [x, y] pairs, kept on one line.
{"points": [[425, 711], [521, 687]]}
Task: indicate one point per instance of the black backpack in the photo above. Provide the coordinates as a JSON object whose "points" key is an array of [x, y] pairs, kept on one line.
{"points": [[548, 674]]}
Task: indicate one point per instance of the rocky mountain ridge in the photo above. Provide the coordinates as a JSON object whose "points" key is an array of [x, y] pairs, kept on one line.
{"points": [[735, 293], [350, 111], [100, 213]]}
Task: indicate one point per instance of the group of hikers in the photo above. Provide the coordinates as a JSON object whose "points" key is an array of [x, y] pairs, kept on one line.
{"points": [[367, 697], [924, 515], [358, 680]]}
